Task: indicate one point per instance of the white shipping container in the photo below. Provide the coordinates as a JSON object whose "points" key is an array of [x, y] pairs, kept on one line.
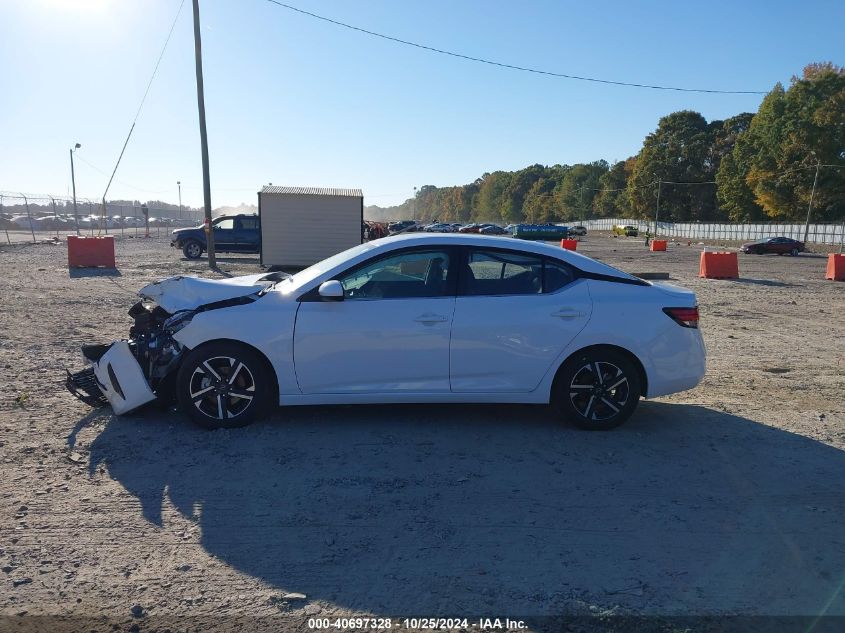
{"points": [[302, 225]]}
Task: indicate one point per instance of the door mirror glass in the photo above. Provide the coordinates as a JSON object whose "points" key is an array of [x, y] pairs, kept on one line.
{"points": [[331, 290]]}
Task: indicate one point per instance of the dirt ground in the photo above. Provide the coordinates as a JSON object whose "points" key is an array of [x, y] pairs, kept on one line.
{"points": [[725, 499]]}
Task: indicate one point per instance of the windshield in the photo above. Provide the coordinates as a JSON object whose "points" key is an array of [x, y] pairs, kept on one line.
{"points": [[309, 274]]}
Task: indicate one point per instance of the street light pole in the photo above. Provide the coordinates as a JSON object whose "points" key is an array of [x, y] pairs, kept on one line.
{"points": [[810, 208], [206, 184], [73, 182], [179, 184]]}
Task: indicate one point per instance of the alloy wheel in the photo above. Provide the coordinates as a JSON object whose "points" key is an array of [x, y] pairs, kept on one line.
{"points": [[222, 388], [599, 390]]}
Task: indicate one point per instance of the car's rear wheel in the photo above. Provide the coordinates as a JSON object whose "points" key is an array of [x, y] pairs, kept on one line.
{"points": [[192, 249], [597, 389], [224, 385]]}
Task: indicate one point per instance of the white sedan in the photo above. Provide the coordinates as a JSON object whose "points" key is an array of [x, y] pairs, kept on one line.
{"points": [[411, 318]]}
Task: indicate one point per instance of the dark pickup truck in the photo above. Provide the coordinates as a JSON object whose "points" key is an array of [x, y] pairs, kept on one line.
{"points": [[232, 234]]}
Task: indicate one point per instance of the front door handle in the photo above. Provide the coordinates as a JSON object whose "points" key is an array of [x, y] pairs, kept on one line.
{"points": [[429, 319], [567, 313]]}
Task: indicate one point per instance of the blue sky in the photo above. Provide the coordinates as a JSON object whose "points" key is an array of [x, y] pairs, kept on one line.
{"points": [[291, 100]]}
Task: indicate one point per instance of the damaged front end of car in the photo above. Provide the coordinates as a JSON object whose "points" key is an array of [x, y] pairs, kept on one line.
{"points": [[128, 374]]}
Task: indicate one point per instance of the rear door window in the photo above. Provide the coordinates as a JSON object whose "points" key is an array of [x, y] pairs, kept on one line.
{"points": [[502, 273]]}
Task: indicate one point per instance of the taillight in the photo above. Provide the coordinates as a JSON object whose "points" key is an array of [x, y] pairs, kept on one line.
{"points": [[685, 317]]}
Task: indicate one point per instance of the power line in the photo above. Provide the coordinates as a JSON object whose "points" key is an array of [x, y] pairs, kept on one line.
{"points": [[122, 182], [510, 66], [144, 98]]}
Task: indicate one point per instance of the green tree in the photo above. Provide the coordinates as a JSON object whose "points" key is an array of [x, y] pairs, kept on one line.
{"points": [[578, 188], [540, 205], [490, 190], [612, 201], [793, 131], [513, 195], [679, 151]]}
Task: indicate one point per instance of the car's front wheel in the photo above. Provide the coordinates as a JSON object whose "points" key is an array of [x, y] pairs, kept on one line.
{"points": [[597, 389], [192, 249], [794, 252], [224, 385]]}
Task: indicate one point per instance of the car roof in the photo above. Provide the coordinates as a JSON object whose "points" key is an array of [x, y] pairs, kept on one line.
{"points": [[587, 264]]}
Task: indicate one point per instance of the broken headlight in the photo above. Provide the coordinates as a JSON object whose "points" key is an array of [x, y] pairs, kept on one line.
{"points": [[178, 321]]}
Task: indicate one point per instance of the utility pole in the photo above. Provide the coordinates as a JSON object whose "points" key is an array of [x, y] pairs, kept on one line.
{"points": [[657, 211], [73, 180], [206, 184], [179, 184], [810, 208], [841, 237], [581, 204], [414, 206]]}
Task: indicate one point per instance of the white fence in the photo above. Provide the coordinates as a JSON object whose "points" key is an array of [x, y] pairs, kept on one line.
{"points": [[819, 233]]}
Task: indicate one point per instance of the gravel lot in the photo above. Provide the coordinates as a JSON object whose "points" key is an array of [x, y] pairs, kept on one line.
{"points": [[725, 499]]}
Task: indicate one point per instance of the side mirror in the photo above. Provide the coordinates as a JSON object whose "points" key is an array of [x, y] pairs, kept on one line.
{"points": [[331, 289]]}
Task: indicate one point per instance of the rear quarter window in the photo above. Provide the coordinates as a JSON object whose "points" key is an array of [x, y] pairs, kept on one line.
{"points": [[556, 275]]}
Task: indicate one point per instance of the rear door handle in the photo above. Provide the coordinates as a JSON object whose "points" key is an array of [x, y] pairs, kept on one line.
{"points": [[567, 313], [428, 319]]}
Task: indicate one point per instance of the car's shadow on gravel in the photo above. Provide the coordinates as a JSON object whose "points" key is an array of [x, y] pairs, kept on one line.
{"points": [[435, 510]]}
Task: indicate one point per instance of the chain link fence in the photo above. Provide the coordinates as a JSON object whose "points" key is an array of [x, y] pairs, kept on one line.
{"points": [[30, 218], [831, 234]]}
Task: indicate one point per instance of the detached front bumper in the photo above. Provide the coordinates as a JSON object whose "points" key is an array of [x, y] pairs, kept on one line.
{"points": [[114, 378]]}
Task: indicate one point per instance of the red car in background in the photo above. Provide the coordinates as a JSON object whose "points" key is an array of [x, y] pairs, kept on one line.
{"points": [[779, 245]]}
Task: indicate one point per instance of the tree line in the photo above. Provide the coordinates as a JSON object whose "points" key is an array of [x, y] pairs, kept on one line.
{"points": [[750, 167]]}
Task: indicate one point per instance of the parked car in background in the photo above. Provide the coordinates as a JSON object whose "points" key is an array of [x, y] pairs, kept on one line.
{"points": [[471, 228], [439, 227], [492, 229], [779, 245], [578, 230], [232, 234], [460, 319], [401, 226], [627, 230], [25, 222]]}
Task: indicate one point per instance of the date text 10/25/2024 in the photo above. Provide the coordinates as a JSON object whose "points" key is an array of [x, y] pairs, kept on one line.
{"points": [[384, 624]]}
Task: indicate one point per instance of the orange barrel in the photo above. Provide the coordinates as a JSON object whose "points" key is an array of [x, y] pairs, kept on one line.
{"points": [[718, 266], [835, 267]]}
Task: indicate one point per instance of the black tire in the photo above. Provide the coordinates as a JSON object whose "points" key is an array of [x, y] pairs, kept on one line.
{"points": [[589, 405], [206, 392], [794, 252], [192, 249]]}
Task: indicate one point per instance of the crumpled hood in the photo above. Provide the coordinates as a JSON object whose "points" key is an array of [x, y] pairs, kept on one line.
{"points": [[188, 293]]}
